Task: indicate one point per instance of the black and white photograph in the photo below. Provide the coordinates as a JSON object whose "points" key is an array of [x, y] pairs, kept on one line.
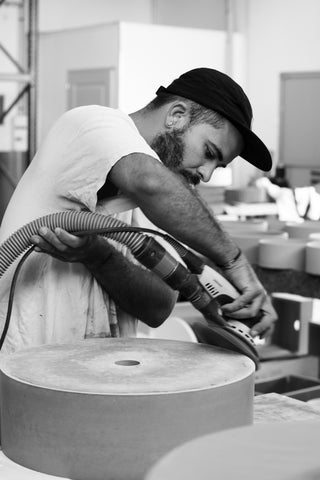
{"points": [[159, 240]]}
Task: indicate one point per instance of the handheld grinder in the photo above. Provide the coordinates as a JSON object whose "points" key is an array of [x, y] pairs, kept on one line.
{"points": [[207, 290]]}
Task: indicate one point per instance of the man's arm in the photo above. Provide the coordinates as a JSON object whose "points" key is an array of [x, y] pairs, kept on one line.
{"points": [[171, 205], [134, 289]]}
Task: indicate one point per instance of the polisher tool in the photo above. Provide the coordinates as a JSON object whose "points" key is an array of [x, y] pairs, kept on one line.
{"points": [[207, 290]]}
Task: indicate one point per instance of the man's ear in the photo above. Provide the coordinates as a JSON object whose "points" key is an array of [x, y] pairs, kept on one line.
{"points": [[178, 115]]}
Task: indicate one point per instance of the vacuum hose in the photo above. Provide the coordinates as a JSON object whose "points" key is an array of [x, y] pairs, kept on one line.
{"points": [[149, 252], [71, 221]]}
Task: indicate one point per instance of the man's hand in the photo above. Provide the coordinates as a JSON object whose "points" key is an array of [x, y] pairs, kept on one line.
{"points": [[253, 298], [134, 289], [65, 246], [265, 326]]}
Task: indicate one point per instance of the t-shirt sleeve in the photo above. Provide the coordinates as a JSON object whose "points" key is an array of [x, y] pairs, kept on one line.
{"points": [[101, 140]]}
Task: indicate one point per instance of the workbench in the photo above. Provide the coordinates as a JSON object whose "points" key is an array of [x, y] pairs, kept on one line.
{"points": [[273, 407]]}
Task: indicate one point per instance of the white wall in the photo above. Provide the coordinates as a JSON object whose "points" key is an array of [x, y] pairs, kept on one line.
{"points": [[65, 14], [153, 55], [282, 36], [61, 14], [143, 56], [203, 14], [208, 14], [79, 48]]}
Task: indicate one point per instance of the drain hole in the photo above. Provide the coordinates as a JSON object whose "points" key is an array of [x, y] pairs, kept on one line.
{"points": [[127, 363]]}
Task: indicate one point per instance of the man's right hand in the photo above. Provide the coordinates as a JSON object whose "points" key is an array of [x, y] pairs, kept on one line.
{"points": [[253, 299]]}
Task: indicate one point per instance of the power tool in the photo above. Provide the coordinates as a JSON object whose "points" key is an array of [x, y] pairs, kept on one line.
{"points": [[206, 289], [197, 282]]}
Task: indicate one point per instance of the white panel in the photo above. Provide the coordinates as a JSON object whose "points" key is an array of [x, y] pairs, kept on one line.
{"points": [[299, 128], [153, 55], [283, 36], [85, 48], [89, 87], [60, 14], [199, 14]]}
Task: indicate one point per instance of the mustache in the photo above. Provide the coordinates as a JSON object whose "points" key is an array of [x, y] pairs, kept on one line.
{"points": [[191, 178]]}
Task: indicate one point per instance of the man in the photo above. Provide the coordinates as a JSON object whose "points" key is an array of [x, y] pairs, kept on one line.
{"points": [[92, 159]]}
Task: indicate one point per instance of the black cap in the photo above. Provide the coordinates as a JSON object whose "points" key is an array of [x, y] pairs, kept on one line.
{"points": [[217, 91]]}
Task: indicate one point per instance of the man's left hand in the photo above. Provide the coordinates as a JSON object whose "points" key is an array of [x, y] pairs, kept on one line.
{"points": [[63, 245]]}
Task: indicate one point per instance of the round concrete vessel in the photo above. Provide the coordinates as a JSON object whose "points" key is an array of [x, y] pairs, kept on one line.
{"points": [[277, 451], [108, 409]]}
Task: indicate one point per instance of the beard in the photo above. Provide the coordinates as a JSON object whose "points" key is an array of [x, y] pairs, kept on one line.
{"points": [[170, 147]]}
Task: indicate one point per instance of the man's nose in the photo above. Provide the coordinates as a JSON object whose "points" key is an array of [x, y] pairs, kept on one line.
{"points": [[206, 171]]}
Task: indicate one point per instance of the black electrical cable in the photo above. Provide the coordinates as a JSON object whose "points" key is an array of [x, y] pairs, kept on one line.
{"points": [[103, 231], [11, 295]]}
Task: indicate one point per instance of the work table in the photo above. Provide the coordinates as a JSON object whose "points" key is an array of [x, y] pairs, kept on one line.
{"points": [[273, 407]]}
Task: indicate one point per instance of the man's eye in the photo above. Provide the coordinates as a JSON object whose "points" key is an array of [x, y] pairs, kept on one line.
{"points": [[210, 154]]}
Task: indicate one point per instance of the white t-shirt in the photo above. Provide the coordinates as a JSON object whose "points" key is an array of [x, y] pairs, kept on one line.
{"points": [[56, 301]]}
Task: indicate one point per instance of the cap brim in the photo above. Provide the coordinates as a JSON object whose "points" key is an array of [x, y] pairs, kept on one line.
{"points": [[255, 151]]}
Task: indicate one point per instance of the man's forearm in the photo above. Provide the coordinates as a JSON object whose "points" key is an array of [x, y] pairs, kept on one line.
{"points": [[189, 220], [137, 291], [173, 206]]}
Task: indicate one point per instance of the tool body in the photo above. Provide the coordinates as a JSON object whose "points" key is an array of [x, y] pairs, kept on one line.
{"points": [[206, 290]]}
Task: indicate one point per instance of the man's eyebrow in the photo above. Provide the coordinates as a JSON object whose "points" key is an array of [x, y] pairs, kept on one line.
{"points": [[216, 150]]}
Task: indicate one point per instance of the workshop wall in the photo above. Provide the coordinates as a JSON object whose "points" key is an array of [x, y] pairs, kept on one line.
{"points": [[282, 36], [81, 13], [208, 14]]}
